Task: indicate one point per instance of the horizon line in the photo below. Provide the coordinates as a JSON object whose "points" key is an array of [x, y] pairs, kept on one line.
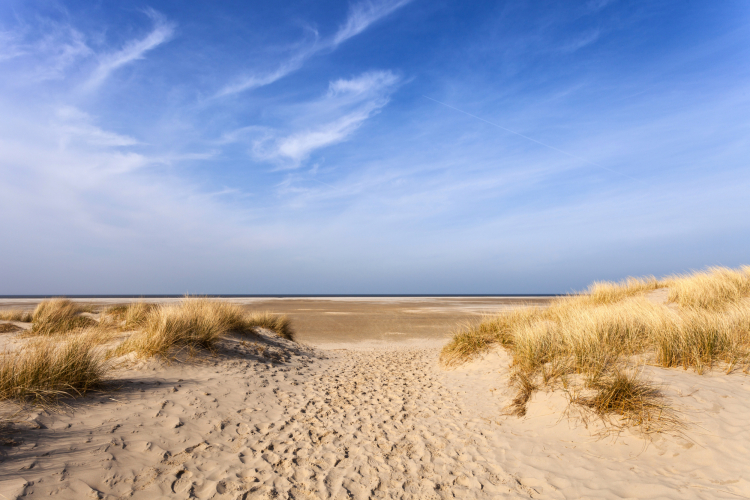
{"points": [[275, 295]]}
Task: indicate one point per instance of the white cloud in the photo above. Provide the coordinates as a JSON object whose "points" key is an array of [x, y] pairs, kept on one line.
{"points": [[43, 57], [255, 81], [87, 211], [367, 83], [75, 125], [298, 146], [361, 16], [346, 106], [134, 50]]}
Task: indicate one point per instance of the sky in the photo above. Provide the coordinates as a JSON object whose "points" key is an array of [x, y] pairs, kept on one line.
{"points": [[370, 146]]}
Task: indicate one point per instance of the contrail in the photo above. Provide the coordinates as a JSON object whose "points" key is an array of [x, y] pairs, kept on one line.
{"points": [[534, 140]]}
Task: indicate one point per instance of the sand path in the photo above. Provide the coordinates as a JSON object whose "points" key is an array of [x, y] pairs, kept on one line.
{"points": [[346, 424], [372, 418]]}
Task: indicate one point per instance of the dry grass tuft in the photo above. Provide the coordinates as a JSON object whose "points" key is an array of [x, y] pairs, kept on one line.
{"points": [[280, 325], [637, 401], [471, 340], [604, 292], [715, 289], [613, 325], [9, 327], [699, 338], [525, 389], [195, 323], [116, 312], [58, 316], [137, 313], [50, 367], [16, 315], [465, 344], [127, 316]]}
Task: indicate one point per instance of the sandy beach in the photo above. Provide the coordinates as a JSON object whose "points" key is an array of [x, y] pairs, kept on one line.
{"points": [[360, 408], [375, 249]]}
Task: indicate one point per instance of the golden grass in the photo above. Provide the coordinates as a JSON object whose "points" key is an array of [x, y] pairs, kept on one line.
{"points": [[8, 328], [193, 323], [698, 338], [15, 315], [716, 289], [127, 316], [49, 367], [525, 388], [117, 311], [598, 332], [279, 324], [137, 313], [637, 401], [58, 316], [473, 339], [604, 292]]}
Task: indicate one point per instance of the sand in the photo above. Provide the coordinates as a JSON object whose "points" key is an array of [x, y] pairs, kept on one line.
{"points": [[352, 414]]}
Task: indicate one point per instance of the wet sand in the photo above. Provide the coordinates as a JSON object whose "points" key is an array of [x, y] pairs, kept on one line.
{"points": [[356, 319]]}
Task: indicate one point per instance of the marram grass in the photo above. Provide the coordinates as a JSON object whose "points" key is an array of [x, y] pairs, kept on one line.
{"points": [[15, 315], [49, 367], [128, 316], [59, 316], [279, 324], [637, 401], [597, 333], [194, 323], [65, 357]]}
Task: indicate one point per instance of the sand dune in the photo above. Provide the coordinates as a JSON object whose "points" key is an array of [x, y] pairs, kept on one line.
{"points": [[365, 418]]}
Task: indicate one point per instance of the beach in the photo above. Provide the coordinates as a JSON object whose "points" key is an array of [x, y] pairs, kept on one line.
{"points": [[360, 407]]}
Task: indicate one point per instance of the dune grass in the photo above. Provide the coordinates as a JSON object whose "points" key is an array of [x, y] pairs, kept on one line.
{"points": [[279, 324], [127, 316], [64, 357], [599, 332], [116, 312], [194, 323], [49, 367], [715, 289], [605, 292], [637, 401], [8, 328], [59, 316], [16, 315]]}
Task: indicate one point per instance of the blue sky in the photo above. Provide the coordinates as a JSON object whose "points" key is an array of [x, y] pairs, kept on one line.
{"points": [[385, 146]]}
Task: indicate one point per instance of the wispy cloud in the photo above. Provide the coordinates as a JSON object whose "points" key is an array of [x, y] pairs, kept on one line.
{"points": [[597, 5], [361, 16], [134, 50], [260, 80], [44, 56], [348, 103], [10, 47], [298, 146], [369, 83], [581, 42], [153, 190], [75, 125]]}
